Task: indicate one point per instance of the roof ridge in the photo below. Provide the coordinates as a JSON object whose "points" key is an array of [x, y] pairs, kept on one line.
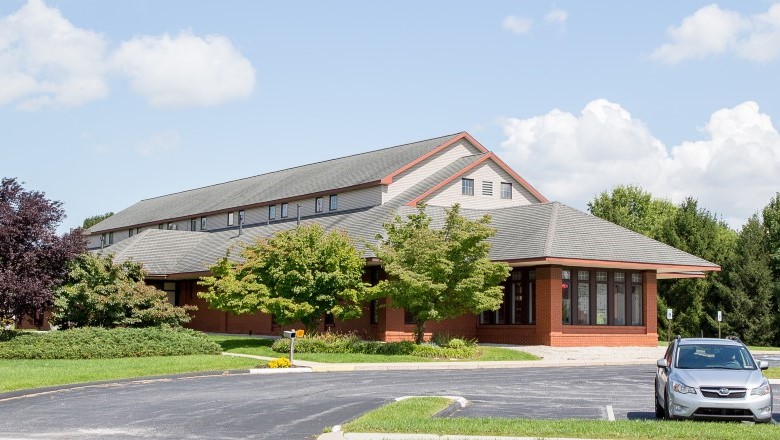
{"points": [[303, 165], [551, 228]]}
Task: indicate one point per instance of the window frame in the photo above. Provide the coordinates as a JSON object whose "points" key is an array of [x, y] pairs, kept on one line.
{"points": [[467, 187], [506, 194], [318, 204], [271, 212], [333, 202], [284, 210], [231, 218]]}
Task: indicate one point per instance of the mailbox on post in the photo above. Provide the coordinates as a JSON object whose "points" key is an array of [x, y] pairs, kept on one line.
{"points": [[291, 335]]}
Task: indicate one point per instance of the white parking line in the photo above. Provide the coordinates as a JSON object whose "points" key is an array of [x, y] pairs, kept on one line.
{"points": [[610, 413]]}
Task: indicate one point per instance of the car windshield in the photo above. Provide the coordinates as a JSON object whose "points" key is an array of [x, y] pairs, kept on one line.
{"points": [[713, 356]]}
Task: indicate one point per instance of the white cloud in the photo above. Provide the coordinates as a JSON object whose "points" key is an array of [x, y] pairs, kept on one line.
{"points": [[45, 61], [558, 16], [733, 172], [715, 31], [159, 143], [185, 70], [517, 25]]}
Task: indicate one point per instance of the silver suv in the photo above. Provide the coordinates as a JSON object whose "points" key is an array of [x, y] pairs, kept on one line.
{"points": [[707, 378]]}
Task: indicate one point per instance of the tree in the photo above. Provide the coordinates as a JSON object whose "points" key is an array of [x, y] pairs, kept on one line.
{"points": [[95, 219], [100, 293], [698, 232], [300, 274], [33, 258], [632, 208], [440, 274], [746, 295]]}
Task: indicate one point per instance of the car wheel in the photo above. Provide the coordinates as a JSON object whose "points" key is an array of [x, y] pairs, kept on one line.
{"points": [[659, 410], [667, 405]]}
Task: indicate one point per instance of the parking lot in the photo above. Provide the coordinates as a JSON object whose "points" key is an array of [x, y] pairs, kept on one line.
{"points": [[297, 406]]}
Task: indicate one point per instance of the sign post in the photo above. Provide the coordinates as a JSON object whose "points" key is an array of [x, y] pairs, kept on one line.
{"points": [[669, 316], [720, 318]]}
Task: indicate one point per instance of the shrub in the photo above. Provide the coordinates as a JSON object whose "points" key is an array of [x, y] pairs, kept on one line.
{"points": [[99, 343], [281, 362], [349, 343], [101, 293]]}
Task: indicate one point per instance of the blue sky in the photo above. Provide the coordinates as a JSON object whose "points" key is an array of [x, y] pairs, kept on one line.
{"points": [[103, 103]]}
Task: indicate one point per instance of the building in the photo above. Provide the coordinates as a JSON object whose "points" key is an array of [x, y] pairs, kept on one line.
{"points": [[576, 279]]}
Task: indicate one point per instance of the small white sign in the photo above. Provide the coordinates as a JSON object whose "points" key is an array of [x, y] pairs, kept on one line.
{"points": [[669, 314], [720, 316]]}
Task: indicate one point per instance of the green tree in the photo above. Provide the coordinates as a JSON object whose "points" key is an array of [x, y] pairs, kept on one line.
{"points": [[437, 274], [95, 219], [100, 293], [698, 232], [300, 274], [771, 222], [633, 208], [746, 295]]}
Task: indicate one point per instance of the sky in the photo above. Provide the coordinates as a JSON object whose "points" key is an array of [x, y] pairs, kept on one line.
{"points": [[103, 104]]}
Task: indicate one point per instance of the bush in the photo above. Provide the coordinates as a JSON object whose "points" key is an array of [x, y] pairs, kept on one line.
{"points": [[281, 362], [350, 343], [100, 343], [100, 293]]}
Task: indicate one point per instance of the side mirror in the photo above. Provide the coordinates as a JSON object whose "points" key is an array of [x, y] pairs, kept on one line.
{"points": [[763, 365], [661, 363]]}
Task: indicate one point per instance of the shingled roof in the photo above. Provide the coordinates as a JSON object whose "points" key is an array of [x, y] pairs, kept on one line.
{"points": [[329, 175], [546, 233]]}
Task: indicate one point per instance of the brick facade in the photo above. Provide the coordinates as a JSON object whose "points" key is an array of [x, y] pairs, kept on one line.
{"points": [[390, 326]]}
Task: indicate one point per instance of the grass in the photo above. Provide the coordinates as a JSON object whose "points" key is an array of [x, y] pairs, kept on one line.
{"points": [[415, 416], [20, 374], [772, 373], [262, 347]]}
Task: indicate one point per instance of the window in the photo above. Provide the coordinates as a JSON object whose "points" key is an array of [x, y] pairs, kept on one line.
{"points": [[284, 210], [519, 304], [318, 204], [241, 217], [203, 223], [161, 226], [333, 203], [619, 301], [467, 187], [137, 230], [170, 288], [271, 212], [230, 219], [506, 190], [193, 224], [636, 299], [130, 232], [583, 303], [566, 296], [487, 188], [171, 226], [110, 238]]}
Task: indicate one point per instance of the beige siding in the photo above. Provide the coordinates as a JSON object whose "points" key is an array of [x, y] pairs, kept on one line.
{"points": [[486, 172], [433, 164]]}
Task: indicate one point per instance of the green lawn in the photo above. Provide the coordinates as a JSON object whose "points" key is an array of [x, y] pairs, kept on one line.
{"points": [[16, 374], [262, 347], [415, 416], [772, 373]]}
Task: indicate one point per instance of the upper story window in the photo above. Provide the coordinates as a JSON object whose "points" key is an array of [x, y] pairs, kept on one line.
{"points": [[487, 188], [230, 219], [467, 186], [193, 224], [130, 232], [506, 190], [171, 226], [110, 238], [284, 210], [203, 223], [241, 217], [271, 212], [334, 202], [161, 226], [318, 204]]}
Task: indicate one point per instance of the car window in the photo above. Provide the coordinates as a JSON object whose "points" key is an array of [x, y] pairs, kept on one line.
{"points": [[713, 356]]}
